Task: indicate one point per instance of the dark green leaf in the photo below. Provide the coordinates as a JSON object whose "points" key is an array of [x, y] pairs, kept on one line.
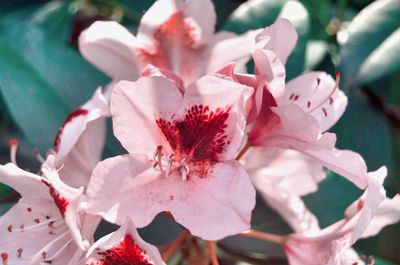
{"points": [[382, 61], [253, 14], [36, 108], [366, 32], [57, 63]]}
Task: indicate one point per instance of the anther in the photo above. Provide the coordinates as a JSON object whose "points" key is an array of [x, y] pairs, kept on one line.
{"points": [[38, 156], [13, 150], [184, 170]]}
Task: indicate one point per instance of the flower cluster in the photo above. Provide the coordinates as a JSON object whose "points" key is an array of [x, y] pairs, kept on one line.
{"points": [[202, 136]]}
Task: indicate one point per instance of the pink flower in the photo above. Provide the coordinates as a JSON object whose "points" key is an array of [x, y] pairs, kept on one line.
{"points": [[46, 224], [124, 246], [332, 244], [79, 142], [282, 177], [173, 35], [188, 143], [297, 116]]}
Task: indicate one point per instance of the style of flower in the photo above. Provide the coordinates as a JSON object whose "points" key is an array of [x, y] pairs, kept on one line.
{"points": [[46, 224], [123, 247], [181, 160], [79, 142], [173, 35]]}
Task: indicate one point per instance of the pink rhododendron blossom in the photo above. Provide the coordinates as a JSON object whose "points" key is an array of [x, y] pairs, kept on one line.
{"points": [[331, 245], [281, 177], [80, 141], [123, 246], [188, 144], [46, 224], [298, 115], [173, 35]]}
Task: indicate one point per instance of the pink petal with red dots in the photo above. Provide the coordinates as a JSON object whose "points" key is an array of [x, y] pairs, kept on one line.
{"points": [[135, 106], [35, 228], [200, 203], [281, 38], [112, 49], [317, 94], [123, 246], [209, 117], [79, 142]]}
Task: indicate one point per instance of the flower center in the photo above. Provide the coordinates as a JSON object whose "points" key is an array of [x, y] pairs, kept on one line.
{"points": [[197, 140], [125, 252]]}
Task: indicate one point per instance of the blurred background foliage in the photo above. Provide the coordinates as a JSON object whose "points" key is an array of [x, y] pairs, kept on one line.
{"points": [[43, 77]]}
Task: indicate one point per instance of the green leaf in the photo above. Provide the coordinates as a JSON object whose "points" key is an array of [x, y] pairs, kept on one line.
{"points": [[382, 61], [253, 14], [57, 63], [55, 18], [334, 194], [379, 261], [366, 32], [35, 107]]}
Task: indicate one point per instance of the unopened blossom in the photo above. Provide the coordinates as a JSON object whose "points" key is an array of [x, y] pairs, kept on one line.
{"points": [[46, 224], [79, 142], [182, 149], [121, 247], [173, 35], [331, 245]]}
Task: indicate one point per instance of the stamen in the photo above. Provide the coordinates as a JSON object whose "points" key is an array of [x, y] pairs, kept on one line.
{"points": [[36, 226], [169, 166], [184, 170], [39, 156], [157, 158], [36, 257], [13, 150]]}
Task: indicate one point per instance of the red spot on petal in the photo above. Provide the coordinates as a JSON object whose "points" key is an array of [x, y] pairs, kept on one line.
{"points": [[71, 116], [296, 97], [325, 112], [125, 252], [174, 41], [19, 252], [60, 201], [318, 81], [29, 209], [308, 104], [200, 136], [9, 228], [4, 258], [171, 197], [37, 220], [330, 100]]}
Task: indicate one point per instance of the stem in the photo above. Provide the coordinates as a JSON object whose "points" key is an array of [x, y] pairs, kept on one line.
{"points": [[280, 240], [174, 245], [212, 252], [243, 151]]}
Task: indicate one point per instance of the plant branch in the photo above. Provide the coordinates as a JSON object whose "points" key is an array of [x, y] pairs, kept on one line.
{"points": [[175, 245], [212, 252], [277, 239]]}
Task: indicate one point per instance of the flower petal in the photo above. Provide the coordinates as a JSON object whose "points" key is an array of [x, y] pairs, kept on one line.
{"points": [[135, 106], [122, 246], [112, 49], [80, 141], [317, 94], [200, 204], [219, 93], [281, 38]]}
